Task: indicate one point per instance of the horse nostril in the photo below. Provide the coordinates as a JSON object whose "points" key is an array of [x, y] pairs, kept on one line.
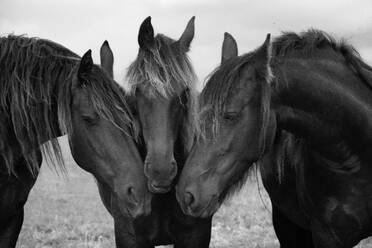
{"points": [[189, 199], [174, 163], [147, 168], [174, 168], [131, 194]]}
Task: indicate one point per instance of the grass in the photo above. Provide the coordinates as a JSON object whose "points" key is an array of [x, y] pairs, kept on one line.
{"points": [[67, 212]]}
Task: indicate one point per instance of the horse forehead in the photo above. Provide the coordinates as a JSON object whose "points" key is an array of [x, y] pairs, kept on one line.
{"points": [[80, 98], [241, 92], [164, 93]]}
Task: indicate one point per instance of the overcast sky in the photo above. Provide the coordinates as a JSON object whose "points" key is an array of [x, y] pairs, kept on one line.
{"points": [[83, 25]]}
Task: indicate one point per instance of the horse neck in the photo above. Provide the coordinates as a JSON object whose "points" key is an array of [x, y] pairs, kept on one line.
{"points": [[322, 100]]}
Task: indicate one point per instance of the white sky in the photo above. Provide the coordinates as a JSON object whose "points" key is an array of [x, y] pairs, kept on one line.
{"points": [[81, 25]]}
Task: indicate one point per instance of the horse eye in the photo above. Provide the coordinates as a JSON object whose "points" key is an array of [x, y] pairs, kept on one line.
{"points": [[230, 116], [90, 120]]}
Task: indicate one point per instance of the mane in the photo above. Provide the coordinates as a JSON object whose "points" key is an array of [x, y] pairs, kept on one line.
{"points": [[292, 150], [158, 69], [35, 92], [159, 66], [289, 153], [307, 43]]}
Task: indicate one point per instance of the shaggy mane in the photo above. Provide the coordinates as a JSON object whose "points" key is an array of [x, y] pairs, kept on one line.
{"points": [[159, 66], [35, 98], [306, 43]]}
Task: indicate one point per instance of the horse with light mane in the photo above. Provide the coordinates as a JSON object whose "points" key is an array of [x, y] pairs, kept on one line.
{"points": [[163, 99]]}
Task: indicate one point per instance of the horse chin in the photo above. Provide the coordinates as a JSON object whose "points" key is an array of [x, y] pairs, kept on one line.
{"points": [[136, 213], [210, 209], [141, 209], [158, 189]]}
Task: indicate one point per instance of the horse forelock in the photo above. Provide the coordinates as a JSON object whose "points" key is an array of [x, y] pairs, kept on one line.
{"points": [[105, 96], [219, 88], [159, 68]]}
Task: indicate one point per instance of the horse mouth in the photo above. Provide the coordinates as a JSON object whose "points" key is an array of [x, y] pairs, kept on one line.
{"points": [[140, 209], [159, 189]]}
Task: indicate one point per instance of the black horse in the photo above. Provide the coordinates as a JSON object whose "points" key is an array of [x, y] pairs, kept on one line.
{"points": [[163, 99], [47, 91], [302, 109]]}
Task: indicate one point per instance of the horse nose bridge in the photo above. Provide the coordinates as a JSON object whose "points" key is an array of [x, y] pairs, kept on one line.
{"points": [[160, 159], [160, 147]]}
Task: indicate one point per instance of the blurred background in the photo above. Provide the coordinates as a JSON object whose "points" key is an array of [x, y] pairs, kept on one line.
{"points": [[65, 211]]}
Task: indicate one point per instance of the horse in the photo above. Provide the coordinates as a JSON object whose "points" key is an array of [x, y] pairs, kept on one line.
{"points": [[163, 108], [163, 83], [300, 108], [47, 91]]}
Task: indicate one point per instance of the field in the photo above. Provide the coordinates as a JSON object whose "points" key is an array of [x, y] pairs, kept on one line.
{"points": [[67, 212]]}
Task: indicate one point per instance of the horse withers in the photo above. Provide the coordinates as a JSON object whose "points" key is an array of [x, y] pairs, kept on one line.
{"points": [[167, 105], [48, 91], [300, 107]]}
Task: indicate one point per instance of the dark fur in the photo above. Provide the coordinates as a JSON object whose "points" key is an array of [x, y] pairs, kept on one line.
{"points": [[318, 170], [148, 70], [37, 73], [36, 77], [224, 77], [214, 96], [158, 68], [305, 43]]}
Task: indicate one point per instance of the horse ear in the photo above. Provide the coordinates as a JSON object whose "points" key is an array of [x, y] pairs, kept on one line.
{"points": [[267, 46], [146, 34], [229, 48], [187, 35], [264, 53], [107, 58], [86, 65]]}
